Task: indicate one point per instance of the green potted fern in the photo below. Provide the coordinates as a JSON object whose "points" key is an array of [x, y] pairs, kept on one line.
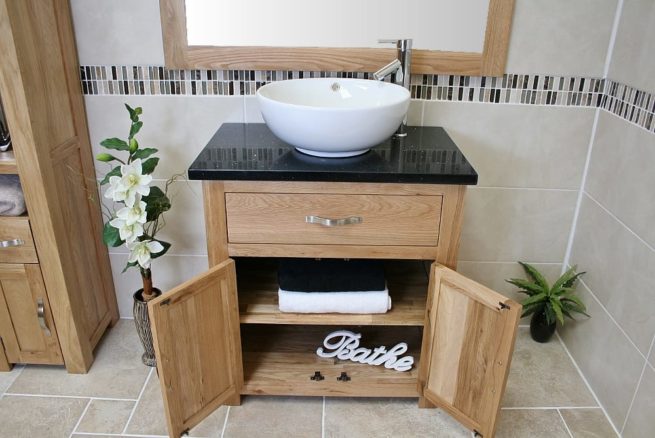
{"points": [[547, 304]]}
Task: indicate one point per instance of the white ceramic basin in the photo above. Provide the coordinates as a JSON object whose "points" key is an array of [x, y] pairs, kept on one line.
{"points": [[332, 117]]}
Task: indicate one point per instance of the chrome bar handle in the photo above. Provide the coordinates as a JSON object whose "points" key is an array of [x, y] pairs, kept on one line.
{"points": [[40, 314], [327, 222], [11, 243]]}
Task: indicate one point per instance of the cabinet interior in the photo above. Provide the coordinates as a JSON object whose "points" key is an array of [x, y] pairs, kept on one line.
{"points": [[279, 349]]}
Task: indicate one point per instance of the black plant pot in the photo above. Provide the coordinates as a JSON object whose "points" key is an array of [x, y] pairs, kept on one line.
{"points": [[142, 323], [540, 330]]}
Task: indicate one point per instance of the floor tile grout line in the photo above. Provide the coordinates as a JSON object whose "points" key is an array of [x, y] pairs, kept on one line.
{"points": [[79, 420], [117, 434], [490, 262], [143, 388], [566, 426], [546, 408], [586, 382], [227, 415], [13, 380], [641, 376], [17, 394], [323, 420], [616, 218]]}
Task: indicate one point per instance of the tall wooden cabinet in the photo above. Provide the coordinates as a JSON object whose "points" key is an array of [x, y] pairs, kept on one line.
{"points": [[57, 296]]}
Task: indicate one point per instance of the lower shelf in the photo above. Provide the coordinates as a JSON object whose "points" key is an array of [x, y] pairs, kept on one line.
{"points": [[280, 359]]}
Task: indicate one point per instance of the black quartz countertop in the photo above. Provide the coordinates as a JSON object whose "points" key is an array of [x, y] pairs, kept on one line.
{"points": [[251, 152]]}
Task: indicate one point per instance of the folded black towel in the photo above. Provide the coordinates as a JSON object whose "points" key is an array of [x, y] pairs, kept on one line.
{"points": [[331, 275]]}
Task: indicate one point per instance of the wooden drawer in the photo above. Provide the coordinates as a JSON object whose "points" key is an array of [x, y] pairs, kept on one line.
{"points": [[15, 232], [280, 218]]}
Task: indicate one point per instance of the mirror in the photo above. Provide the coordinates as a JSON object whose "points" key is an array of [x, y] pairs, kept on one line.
{"points": [[450, 36]]}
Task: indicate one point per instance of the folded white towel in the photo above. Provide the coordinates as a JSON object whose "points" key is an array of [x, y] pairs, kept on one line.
{"points": [[334, 302]]}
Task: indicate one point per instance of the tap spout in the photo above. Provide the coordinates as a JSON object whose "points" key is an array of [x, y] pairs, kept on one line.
{"points": [[394, 66]]}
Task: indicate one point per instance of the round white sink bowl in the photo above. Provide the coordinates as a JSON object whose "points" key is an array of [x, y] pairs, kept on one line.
{"points": [[332, 117]]}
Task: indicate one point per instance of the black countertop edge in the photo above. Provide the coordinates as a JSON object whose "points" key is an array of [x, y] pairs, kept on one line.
{"points": [[249, 175]]}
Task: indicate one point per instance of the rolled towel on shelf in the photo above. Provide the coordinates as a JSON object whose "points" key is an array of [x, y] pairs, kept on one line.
{"points": [[334, 302], [331, 275], [12, 201]]}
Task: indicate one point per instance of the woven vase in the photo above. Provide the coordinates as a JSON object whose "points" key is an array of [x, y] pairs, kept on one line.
{"points": [[142, 323]]}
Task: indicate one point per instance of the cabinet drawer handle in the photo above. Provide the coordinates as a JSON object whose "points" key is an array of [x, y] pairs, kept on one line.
{"points": [[327, 222], [10, 243], [40, 313]]}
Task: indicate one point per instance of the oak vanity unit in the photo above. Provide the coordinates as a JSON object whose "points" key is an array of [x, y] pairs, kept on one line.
{"points": [[221, 335]]}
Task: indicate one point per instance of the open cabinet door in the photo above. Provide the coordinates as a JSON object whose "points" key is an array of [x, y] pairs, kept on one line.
{"points": [[195, 329], [468, 341]]}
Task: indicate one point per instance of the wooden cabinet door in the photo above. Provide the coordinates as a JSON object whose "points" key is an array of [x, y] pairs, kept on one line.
{"points": [[468, 342], [195, 329], [26, 325]]}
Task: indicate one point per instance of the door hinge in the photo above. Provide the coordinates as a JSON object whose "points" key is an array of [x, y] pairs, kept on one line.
{"points": [[185, 432], [166, 302], [503, 306], [476, 433]]}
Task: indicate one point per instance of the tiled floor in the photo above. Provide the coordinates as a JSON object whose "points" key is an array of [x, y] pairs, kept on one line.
{"points": [[120, 397]]}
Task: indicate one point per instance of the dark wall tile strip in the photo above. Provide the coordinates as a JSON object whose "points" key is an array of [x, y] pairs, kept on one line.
{"points": [[631, 104]]}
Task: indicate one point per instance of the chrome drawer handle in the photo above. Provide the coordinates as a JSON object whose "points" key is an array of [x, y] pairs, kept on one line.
{"points": [[10, 243], [327, 222], [40, 314]]}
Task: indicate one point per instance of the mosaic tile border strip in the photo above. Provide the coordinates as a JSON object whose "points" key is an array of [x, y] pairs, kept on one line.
{"points": [[631, 104], [635, 106]]}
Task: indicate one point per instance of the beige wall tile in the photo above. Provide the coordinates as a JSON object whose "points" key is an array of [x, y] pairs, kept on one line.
{"points": [[560, 37], [621, 175], [518, 145], [609, 362], [167, 272], [530, 423], [117, 371], [620, 271], [543, 375], [588, 423], [39, 417], [121, 32], [106, 416], [632, 58], [374, 417], [493, 275], [516, 224], [150, 419], [179, 126], [641, 421], [275, 417]]}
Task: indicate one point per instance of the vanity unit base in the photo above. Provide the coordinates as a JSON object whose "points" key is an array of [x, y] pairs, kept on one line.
{"points": [[221, 335]]}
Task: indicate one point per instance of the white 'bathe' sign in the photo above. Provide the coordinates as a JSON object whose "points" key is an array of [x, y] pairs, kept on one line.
{"points": [[344, 345]]}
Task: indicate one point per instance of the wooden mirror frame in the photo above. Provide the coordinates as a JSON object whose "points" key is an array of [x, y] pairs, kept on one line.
{"points": [[178, 54]]}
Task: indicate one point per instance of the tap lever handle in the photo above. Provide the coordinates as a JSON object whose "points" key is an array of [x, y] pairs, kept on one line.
{"points": [[401, 43]]}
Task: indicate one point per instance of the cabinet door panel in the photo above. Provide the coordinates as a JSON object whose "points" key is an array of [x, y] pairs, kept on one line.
{"points": [[195, 329], [26, 324], [468, 343]]}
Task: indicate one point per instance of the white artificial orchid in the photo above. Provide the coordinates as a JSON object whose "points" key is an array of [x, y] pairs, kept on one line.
{"points": [[140, 252], [128, 232], [115, 192], [134, 182], [136, 214]]}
